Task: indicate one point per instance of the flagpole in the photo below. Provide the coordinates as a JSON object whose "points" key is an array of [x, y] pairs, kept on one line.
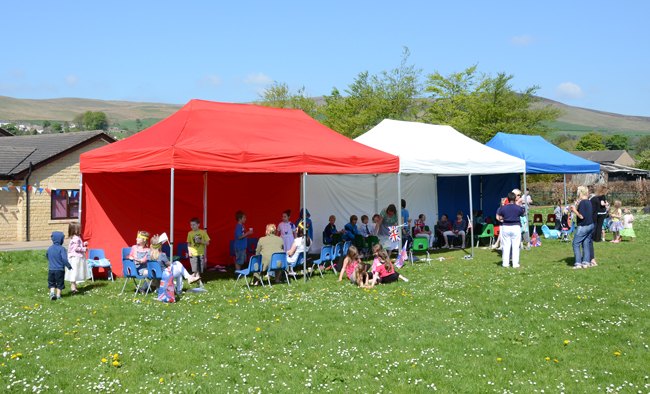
{"points": [[399, 209], [304, 225]]}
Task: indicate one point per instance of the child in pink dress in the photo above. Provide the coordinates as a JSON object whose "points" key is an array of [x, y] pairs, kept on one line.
{"points": [[76, 257], [287, 230]]}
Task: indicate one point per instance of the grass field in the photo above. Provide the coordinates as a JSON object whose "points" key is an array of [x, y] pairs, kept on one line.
{"points": [[457, 326]]}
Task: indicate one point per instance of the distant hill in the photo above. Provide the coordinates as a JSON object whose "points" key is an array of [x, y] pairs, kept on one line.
{"points": [[65, 109], [574, 120], [579, 120]]}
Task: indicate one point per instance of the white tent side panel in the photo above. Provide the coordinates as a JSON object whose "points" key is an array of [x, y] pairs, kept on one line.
{"points": [[346, 195]]}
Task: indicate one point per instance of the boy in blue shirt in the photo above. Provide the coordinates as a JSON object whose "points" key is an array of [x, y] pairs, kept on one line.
{"points": [[57, 257], [241, 243]]}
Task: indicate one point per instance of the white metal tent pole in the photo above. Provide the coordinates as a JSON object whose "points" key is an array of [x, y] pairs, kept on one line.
{"points": [[304, 224], [376, 176], [399, 210], [171, 210], [81, 187], [565, 189], [205, 209], [471, 214]]}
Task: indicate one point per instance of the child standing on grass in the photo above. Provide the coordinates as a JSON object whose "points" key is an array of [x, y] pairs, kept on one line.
{"points": [[616, 225], [241, 242], [628, 227], [350, 263], [76, 257], [197, 240], [287, 230], [57, 258]]}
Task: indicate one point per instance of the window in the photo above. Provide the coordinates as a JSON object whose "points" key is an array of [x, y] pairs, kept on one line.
{"points": [[65, 204]]}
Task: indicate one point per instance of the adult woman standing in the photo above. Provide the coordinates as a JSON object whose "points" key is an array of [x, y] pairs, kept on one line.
{"points": [[598, 211], [388, 218], [584, 229], [510, 233]]}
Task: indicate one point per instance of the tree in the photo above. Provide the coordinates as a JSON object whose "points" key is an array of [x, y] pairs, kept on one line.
{"points": [[617, 142], [371, 98], [138, 125], [90, 120], [56, 127], [279, 95], [643, 160], [479, 106], [566, 142], [642, 144], [590, 141], [46, 123]]}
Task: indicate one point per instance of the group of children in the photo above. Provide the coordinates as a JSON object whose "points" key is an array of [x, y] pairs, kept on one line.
{"points": [[618, 220], [74, 259], [366, 276]]}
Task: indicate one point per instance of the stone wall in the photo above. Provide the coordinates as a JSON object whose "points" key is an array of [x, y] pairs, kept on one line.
{"points": [[62, 173]]}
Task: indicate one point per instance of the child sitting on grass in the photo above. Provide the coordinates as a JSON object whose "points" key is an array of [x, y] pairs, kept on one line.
{"points": [[385, 272], [350, 263], [57, 258]]}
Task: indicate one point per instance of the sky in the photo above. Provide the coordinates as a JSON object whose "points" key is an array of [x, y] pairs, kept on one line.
{"points": [[593, 54]]}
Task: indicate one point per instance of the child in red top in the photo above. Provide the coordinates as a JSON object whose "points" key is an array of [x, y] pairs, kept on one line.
{"points": [[385, 272]]}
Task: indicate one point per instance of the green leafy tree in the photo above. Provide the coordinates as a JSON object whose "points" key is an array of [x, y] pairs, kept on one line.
{"points": [[90, 120], [57, 128], [642, 144], [481, 105], [643, 160], [279, 95], [46, 123], [138, 125], [369, 99], [566, 142], [617, 142], [591, 141]]}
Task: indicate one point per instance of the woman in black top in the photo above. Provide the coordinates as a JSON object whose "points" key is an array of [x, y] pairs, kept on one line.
{"points": [[599, 211]]}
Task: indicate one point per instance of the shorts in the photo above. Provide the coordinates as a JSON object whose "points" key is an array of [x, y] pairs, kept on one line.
{"points": [[390, 278], [197, 263], [55, 279], [240, 257]]}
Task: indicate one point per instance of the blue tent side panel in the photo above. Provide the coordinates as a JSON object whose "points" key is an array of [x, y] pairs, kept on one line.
{"points": [[453, 193], [541, 156]]}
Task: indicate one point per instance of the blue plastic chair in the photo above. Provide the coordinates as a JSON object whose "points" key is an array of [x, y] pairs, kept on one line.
{"points": [[346, 246], [97, 259], [325, 257], [295, 265], [166, 249], [278, 263], [131, 272], [154, 272], [254, 266]]}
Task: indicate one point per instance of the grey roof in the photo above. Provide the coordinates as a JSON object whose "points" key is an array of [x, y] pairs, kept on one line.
{"points": [[600, 156], [18, 151]]}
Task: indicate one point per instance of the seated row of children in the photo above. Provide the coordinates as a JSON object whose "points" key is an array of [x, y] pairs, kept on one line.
{"points": [[364, 275]]}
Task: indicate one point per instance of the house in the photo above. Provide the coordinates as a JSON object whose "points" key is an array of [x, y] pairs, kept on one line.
{"points": [[615, 165], [39, 182], [619, 157]]}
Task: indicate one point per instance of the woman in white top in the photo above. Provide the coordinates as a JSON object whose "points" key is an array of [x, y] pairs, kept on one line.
{"points": [[300, 245]]}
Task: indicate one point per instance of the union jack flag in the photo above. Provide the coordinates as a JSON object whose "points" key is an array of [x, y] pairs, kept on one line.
{"points": [[394, 233], [402, 257]]}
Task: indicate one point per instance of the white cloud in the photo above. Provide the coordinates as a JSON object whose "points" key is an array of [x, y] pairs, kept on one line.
{"points": [[71, 80], [569, 90], [522, 41], [210, 80], [258, 79]]}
